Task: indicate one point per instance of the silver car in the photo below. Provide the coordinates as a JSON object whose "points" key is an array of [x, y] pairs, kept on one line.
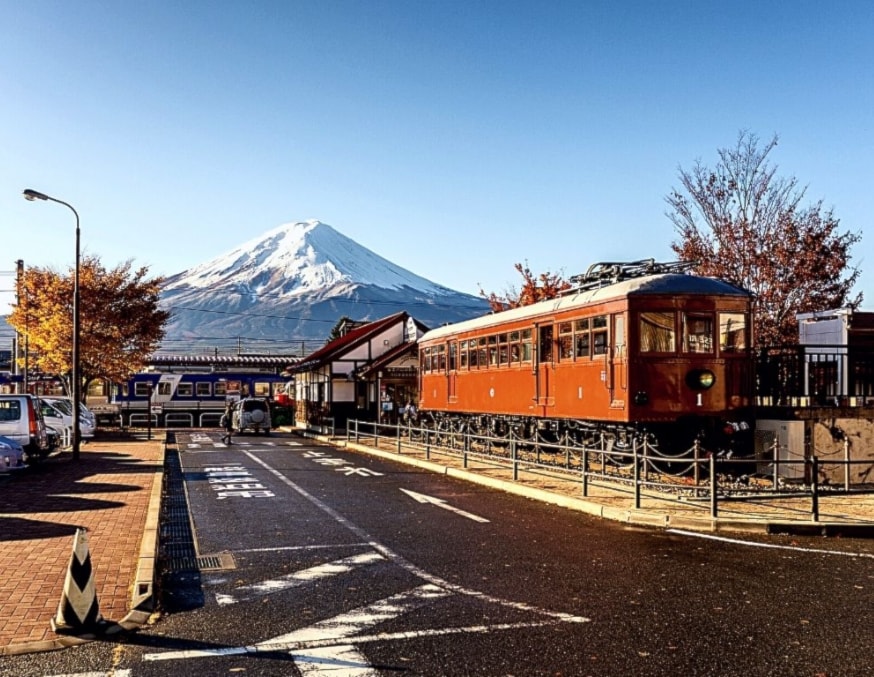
{"points": [[252, 413]]}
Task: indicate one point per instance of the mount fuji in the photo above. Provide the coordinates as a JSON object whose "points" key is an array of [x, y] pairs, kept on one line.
{"points": [[295, 282]]}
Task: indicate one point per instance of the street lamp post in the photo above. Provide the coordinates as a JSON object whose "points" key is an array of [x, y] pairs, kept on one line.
{"points": [[36, 195]]}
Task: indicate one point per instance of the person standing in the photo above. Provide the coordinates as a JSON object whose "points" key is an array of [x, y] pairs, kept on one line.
{"points": [[227, 422]]}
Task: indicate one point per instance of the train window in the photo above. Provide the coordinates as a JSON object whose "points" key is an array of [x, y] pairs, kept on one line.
{"points": [[463, 354], [185, 389], [581, 338], [493, 351], [619, 335], [545, 344], [515, 350], [165, 388], [441, 358], [599, 335], [142, 388], [657, 333], [453, 356], [221, 388], [503, 350], [526, 345], [732, 332], [261, 388], [697, 333], [483, 353], [203, 389], [565, 341]]}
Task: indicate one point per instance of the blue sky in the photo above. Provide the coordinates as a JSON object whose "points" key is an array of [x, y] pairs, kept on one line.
{"points": [[453, 138]]}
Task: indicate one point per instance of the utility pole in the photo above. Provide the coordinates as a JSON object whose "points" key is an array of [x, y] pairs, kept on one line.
{"points": [[19, 285]]}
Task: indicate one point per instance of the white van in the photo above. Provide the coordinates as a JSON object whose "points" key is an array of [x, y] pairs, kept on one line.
{"points": [[21, 420], [58, 414]]}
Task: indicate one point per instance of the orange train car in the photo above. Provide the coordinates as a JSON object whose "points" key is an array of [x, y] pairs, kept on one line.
{"points": [[635, 349]]}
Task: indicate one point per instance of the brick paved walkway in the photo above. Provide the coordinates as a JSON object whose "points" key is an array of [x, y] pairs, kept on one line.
{"points": [[108, 491]]}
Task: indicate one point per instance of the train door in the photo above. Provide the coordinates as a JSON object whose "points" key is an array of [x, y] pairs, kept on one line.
{"points": [[543, 365], [617, 372]]}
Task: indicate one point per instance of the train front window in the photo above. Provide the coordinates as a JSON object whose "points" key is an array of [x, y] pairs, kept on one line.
{"points": [[697, 333], [732, 332], [657, 334]]}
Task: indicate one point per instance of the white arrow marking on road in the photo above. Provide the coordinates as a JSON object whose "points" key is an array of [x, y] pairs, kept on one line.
{"points": [[363, 472], [297, 578], [440, 503]]}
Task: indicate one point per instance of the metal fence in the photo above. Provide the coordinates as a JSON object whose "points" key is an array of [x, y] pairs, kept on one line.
{"points": [[699, 478]]}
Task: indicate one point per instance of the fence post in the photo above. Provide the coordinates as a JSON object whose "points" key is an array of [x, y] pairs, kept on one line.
{"points": [[846, 463], [585, 471], [636, 474], [356, 431], [515, 460], [814, 488], [714, 509], [398, 433], [428, 443], [696, 454], [776, 458], [567, 450]]}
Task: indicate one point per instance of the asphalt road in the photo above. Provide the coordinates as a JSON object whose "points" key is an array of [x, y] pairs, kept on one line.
{"points": [[324, 561]]}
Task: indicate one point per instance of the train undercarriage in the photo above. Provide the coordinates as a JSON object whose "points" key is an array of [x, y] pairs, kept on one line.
{"points": [[666, 446]]}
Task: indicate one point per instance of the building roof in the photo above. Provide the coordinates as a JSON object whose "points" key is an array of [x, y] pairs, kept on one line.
{"points": [[272, 361], [350, 340]]}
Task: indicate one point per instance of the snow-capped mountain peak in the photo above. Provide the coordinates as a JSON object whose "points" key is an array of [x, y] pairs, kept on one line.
{"points": [[296, 281], [301, 258]]}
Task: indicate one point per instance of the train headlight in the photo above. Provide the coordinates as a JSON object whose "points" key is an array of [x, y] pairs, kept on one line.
{"points": [[700, 379]]}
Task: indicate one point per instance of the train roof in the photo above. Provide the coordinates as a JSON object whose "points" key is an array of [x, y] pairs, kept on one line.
{"points": [[663, 284]]}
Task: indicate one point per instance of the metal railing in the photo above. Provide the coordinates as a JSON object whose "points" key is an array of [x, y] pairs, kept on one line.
{"points": [[698, 478]]}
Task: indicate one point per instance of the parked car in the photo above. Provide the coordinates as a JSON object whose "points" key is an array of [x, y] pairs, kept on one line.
{"points": [[84, 412], [11, 455], [58, 414], [21, 420], [251, 413]]}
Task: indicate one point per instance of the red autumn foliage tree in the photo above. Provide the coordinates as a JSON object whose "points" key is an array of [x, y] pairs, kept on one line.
{"points": [[534, 288], [742, 223]]}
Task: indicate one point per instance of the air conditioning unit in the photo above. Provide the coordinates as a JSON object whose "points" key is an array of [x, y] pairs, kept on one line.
{"points": [[789, 436]]}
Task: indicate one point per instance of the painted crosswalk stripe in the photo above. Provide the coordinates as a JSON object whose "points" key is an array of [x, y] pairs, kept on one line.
{"points": [[297, 578]]}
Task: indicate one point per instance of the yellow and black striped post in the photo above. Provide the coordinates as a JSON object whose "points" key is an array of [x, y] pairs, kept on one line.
{"points": [[79, 611]]}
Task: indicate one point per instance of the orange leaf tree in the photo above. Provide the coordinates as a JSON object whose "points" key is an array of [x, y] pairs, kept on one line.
{"points": [[740, 222], [534, 288], [121, 323]]}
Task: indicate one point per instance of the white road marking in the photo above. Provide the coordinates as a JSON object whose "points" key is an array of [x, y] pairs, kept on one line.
{"points": [[331, 644], [282, 548], [109, 673], [440, 503], [297, 578], [361, 472], [777, 546]]}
